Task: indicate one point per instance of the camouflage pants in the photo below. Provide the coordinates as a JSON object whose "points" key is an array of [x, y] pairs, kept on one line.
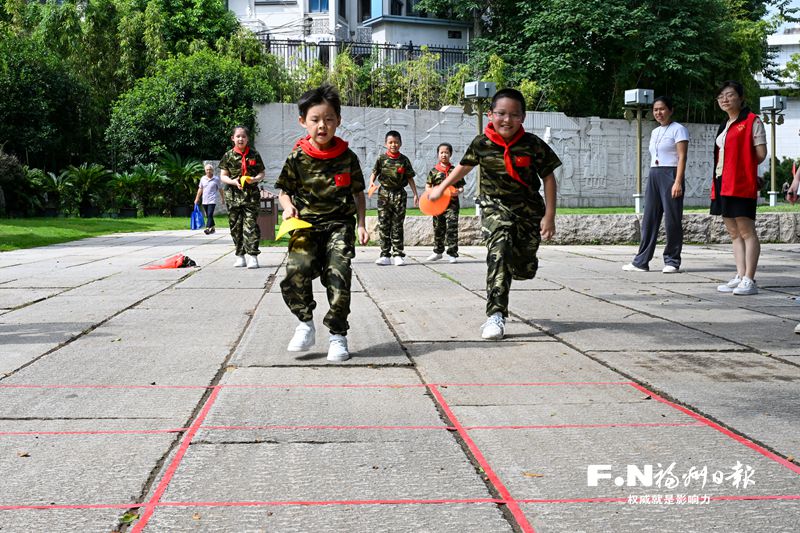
{"points": [[391, 216], [445, 229], [323, 251], [512, 240], [243, 221]]}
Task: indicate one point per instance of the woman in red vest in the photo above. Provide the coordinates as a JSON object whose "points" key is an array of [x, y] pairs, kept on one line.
{"points": [[740, 146]]}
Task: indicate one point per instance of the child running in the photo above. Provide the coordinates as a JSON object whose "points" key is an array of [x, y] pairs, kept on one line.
{"points": [[445, 226], [243, 198], [321, 183], [394, 171], [513, 165]]}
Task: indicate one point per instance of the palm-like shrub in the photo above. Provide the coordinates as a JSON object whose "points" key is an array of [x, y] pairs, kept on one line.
{"points": [[151, 180], [183, 175], [91, 187]]}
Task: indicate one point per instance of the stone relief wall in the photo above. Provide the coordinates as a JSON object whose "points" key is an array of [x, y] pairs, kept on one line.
{"points": [[599, 155]]}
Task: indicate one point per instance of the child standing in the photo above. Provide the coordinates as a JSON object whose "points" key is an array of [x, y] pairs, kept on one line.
{"points": [[207, 191], [243, 199], [515, 218], [394, 171], [446, 224], [321, 183]]}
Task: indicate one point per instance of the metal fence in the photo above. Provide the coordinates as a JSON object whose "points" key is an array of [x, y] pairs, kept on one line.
{"points": [[296, 52]]}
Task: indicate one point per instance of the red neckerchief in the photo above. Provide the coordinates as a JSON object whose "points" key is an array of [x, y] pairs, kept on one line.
{"points": [[496, 138], [244, 157], [393, 156], [336, 148], [446, 169]]}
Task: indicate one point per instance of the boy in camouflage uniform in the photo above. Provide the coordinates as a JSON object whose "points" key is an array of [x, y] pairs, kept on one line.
{"points": [[243, 199], [445, 226], [321, 183], [515, 217], [394, 171]]}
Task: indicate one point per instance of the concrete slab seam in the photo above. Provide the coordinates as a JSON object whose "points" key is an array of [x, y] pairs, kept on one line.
{"points": [[495, 481]]}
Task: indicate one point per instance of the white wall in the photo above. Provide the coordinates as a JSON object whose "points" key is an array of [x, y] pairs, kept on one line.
{"points": [[429, 34], [598, 155]]}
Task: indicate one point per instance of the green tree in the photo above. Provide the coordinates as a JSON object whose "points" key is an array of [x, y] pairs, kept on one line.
{"points": [[44, 104], [187, 108]]}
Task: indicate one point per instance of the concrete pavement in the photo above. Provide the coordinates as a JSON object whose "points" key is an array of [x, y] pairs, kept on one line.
{"points": [[167, 396]]}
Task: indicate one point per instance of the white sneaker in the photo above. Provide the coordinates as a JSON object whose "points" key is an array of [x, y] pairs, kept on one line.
{"points": [[383, 261], [732, 284], [797, 329], [252, 261], [338, 349], [399, 261], [303, 338], [494, 328], [239, 262], [746, 287], [669, 269], [452, 259], [630, 267], [434, 257]]}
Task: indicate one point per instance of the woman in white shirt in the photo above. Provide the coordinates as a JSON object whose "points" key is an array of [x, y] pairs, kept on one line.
{"points": [[669, 143], [207, 190]]}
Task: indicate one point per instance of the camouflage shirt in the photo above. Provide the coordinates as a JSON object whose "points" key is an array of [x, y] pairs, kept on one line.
{"points": [[393, 173], [532, 158], [322, 189], [436, 176], [232, 162]]}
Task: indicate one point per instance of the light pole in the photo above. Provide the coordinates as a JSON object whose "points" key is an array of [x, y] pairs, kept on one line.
{"points": [[772, 108], [637, 99], [478, 92]]}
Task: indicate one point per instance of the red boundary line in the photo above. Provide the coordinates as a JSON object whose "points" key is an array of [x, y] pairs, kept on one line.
{"points": [[738, 438], [346, 428], [319, 385], [516, 512], [751, 497], [187, 440]]}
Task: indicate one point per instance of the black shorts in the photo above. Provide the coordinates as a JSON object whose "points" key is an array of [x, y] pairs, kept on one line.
{"points": [[732, 206]]}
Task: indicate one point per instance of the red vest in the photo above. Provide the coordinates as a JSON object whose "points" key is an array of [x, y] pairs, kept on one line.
{"points": [[740, 167]]}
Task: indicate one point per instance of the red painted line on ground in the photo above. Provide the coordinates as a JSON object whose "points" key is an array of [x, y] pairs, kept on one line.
{"points": [[738, 438], [88, 386], [329, 502], [574, 500], [315, 385], [581, 426], [93, 432], [501, 489], [176, 461], [68, 506], [249, 428]]}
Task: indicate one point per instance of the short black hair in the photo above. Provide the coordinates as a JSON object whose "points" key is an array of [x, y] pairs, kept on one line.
{"points": [[241, 127], [735, 85], [325, 93], [666, 100], [448, 145], [508, 93], [393, 133]]}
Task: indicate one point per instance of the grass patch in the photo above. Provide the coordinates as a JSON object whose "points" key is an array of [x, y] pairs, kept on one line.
{"points": [[30, 232]]}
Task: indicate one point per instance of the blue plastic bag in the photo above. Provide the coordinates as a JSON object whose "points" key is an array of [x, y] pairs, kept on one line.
{"points": [[197, 221]]}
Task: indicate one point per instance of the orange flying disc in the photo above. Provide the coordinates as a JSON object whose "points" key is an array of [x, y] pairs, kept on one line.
{"points": [[245, 179], [434, 207]]}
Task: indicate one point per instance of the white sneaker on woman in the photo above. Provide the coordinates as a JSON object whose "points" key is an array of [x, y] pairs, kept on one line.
{"points": [[732, 284], [746, 287]]}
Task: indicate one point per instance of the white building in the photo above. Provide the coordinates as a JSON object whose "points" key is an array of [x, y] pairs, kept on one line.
{"points": [[785, 45], [377, 21]]}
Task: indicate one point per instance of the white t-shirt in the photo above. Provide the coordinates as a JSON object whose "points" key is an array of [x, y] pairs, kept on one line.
{"points": [[210, 187], [664, 144], [759, 138]]}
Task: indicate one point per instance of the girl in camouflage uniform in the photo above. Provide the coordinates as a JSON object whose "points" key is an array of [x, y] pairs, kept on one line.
{"points": [[321, 183], [514, 216], [243, 198], [445, 226]]}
